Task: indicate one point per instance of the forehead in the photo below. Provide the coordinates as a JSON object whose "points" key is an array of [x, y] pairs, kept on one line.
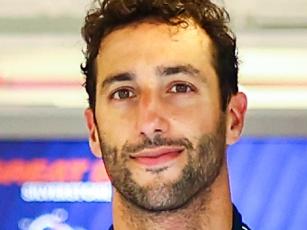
{"points": [[149, 43]]}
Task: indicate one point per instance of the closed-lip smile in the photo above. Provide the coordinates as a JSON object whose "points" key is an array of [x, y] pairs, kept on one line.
{"points": [[156, 156]]}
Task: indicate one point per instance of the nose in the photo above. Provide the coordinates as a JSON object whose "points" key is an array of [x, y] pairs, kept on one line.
{"points": [[152, 117]]}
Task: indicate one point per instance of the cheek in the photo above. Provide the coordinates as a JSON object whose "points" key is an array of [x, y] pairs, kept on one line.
{"points": [[193, 121], [114, 127]]}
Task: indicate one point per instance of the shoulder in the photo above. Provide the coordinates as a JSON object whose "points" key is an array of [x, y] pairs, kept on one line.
{"points": [[237, 223]]}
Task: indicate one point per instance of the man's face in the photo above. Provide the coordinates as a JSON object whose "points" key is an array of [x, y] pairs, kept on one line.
{"points": [[158, 116]]}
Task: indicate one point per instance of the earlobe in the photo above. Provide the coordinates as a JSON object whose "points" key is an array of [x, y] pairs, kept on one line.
{"points": [[93, 133], [236, 111]]}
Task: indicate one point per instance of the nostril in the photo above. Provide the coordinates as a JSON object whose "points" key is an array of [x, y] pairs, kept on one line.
{"points": [[152, 135], [158, 131], [150, 124], [154, 131]]}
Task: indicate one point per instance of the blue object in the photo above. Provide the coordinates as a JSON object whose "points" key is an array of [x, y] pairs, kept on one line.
{"points": [[268, 184]]}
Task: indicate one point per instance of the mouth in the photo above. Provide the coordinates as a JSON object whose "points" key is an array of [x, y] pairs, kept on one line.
{"points": [[157, 156]]}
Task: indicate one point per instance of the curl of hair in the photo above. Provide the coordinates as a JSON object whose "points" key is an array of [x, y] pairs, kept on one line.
{"points": [[114, 14]]}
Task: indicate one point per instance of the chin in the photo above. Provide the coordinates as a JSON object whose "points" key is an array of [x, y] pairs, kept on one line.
{"points": [[157, 178]]}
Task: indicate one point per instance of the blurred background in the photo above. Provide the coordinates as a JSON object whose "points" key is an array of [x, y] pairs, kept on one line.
{"points": [[49, 179]]}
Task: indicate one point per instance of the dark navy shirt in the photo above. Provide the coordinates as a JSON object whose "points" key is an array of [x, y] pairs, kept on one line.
{"points": [[237, 223]]}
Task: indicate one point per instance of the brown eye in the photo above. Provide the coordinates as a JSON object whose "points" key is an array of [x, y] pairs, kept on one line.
{"points": [[181, 88], [122, 94]]}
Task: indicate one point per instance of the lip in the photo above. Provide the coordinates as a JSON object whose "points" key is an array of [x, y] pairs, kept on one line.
{"points": [[157, 156]]}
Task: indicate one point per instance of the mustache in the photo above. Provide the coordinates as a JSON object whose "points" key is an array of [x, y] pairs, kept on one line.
{"points": [[157, 141]]}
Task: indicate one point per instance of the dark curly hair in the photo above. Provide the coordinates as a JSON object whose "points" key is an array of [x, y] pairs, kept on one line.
{"points": [[114, 14]]}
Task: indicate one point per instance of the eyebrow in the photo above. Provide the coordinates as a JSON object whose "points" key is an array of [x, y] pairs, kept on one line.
{"points": [[173, 70], [161, 71], [127, 76]]}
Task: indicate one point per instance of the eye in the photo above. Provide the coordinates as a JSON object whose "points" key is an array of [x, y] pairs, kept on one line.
{"points": [[181, 88], [122, 94]]}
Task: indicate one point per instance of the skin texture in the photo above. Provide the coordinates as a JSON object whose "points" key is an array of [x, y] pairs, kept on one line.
{"points": [[157, 88]]}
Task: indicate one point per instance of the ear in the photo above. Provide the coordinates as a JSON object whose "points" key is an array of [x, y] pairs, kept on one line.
{"points": [[93, 132], [236, 110]]}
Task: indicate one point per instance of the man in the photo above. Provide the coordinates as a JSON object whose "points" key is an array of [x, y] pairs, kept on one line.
{"points": [[161, 76]]}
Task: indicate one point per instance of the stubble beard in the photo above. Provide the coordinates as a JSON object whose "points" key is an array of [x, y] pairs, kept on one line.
{"points": [[203, 166]]}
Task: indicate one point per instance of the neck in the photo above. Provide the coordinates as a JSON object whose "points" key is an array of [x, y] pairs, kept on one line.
{"points": [[209, 209]]}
